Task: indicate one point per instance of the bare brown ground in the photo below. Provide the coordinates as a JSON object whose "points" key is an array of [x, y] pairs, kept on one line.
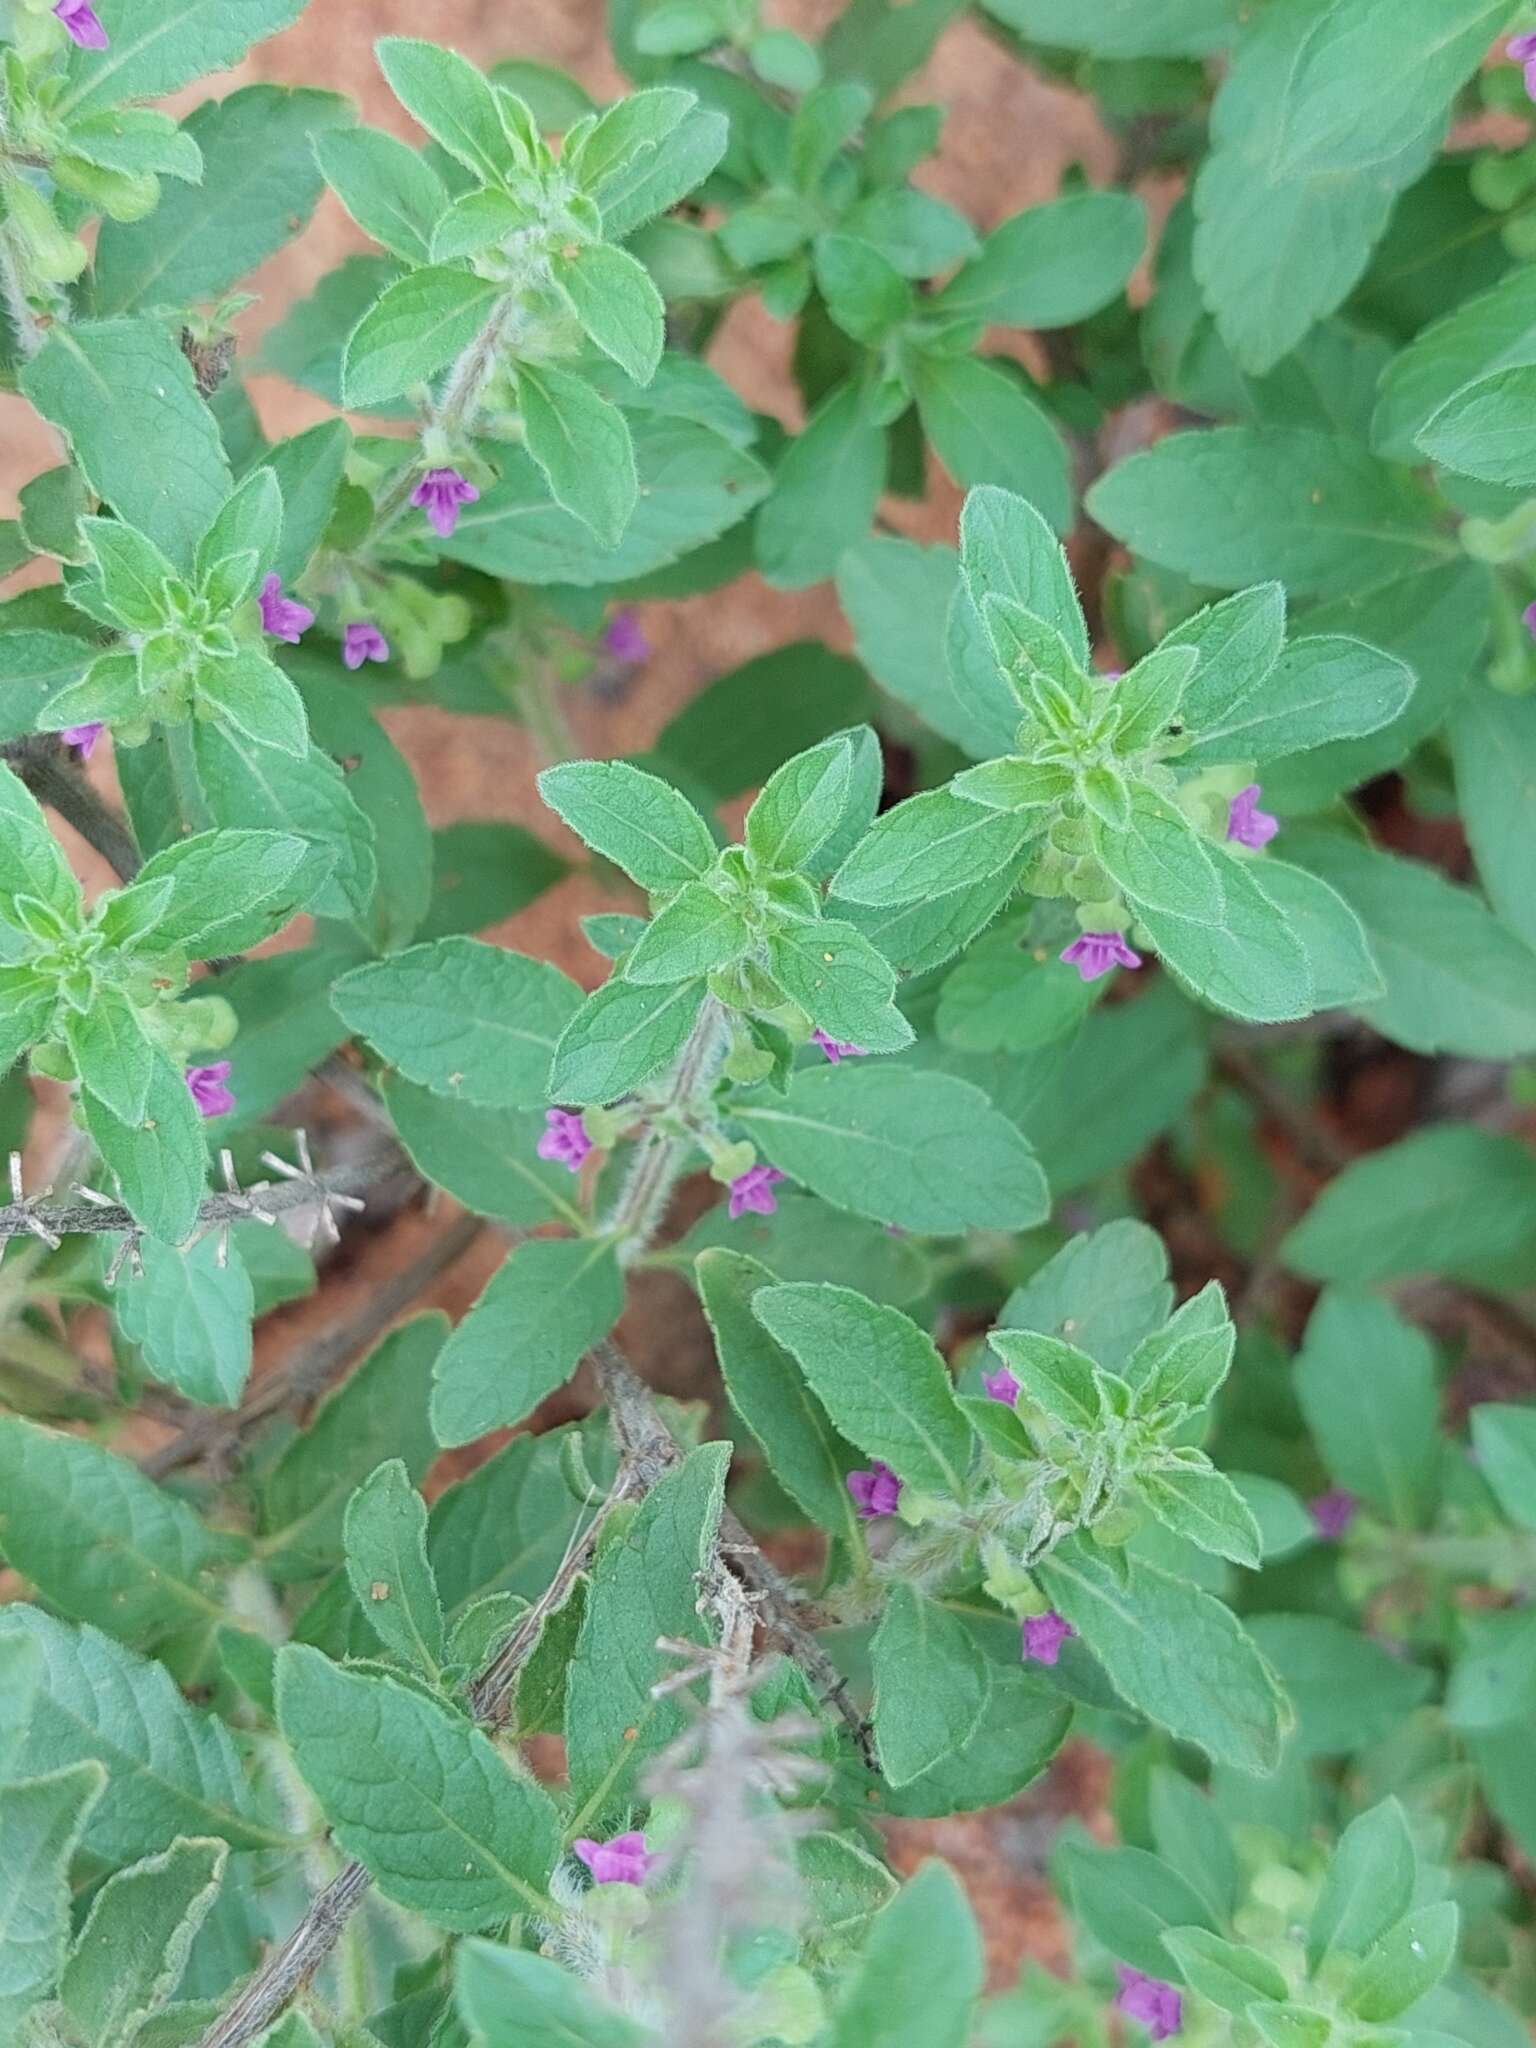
{"points": [[1008, 139]]}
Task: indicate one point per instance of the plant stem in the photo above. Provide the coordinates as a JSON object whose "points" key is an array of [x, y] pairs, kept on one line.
{"points": [[454, 414], [42, 764], [660, 1155], [537, 697]]}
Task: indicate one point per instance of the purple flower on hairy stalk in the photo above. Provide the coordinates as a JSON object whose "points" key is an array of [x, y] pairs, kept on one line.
{"points": [[208, 1089], [1528, 616], [565, 1139], [1155, 2004], [362, 641], [82, 736], [1522, 50], [283, 617], [624, 1860], [753, 1190], [1332, 1513], [81, 24], [624, 637], [1095, 953], [1043, 1636], [440, 494], [1246, 823], [1001, 1386], [837, 1048], [875, 1492]]}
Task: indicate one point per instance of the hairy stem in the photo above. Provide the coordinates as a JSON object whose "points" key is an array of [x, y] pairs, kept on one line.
{"points": [[660, 1155], [43, 765], [455, 411]]}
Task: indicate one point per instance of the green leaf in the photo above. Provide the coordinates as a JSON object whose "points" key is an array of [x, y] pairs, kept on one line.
{"points": [[633, 184], [543, 1310], [472, 1022], [636, 820], [800, 805], [1188, 1833], [1021, 1728], [34, 665], [1231, 506], [618, 306], [482, 872], [379, 1411], [805, 1453], [1453, 1199], [695, 933], [1407, 1962], [865, 294], [414, 1791], [1367, 1386], [1051, 266], [986, 429], [159, 1162], [1368, 1887], [922, 1151], [251, 695], [1202, 1505], [582, 446], [1347, 1690], [824, 493], [113, 1058], [807, 1239], [1053, 1375], [191, 1315], [1125, 28], [421, 323], [170, 1769], [230, 890], [1492, 736], [734, 734], [1129, 1900], [453, 101], [258, 190], [40, 1823], [879, 1378], [1161, 862], [1239, 642], [841, 982], [134, 574], [920, 1972], [156, 46], [510, 1998], [1004, 997], [1106, 1290], [485, 1158], [100, 1541], [620, 1037], [1485, 431], [114, 388], [1008, 550], [1456, 980], [1225, 1972], [132, 1950], [1252, 965], [390, 190], [1504, 1438], [930, 845], [308, 469], [32, 862], [1173, 1653], [385, 1536], [931, 1685], [1326, 687], [644, 1587]]}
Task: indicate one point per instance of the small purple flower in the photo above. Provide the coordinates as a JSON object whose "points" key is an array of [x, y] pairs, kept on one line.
{"points": [[81, 24], [565, 1140], [1522, 50], [283, 617], [440, 494], [82, 736], [875, 1492], [624, 1860], [1095, 953], [1246, 823], [753, 1190], [362, 641], [1528, 617], [208, 1089], [1155, 2004], [1001, 1386], [624, 637], [1332, 1513], [837, 1048], [1043, 1636]]}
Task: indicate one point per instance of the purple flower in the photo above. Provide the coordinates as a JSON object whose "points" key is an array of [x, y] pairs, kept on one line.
{"points": [[837, 1048], [362, 641], [283, 617], [1095, 953], [1522, 50], [624, 637], [440, 494], [208, 1089], [754, 1190], [875, 1492], [1332, 1513], [1246, 823], [624, 1860], [82, 736], [81, 24], [1001, 1386], [1043, 1636], [565, 1139], [1155, 2004]]}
